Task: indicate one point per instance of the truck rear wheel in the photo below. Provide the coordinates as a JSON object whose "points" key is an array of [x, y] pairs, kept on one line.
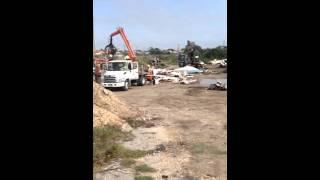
{"points": [[141, 81], [134, 82], [126, 86]]}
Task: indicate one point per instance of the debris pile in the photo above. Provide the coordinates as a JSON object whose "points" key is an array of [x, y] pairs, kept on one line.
{"points": [[109, 110], [221, 63], [188, 80], [188, 70], [180, 75], [218, 86]]}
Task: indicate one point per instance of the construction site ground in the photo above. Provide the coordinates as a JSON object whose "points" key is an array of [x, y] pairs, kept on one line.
{"points": [[189, 121]]}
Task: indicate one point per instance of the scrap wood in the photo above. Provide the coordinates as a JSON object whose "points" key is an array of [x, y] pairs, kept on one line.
{"points": [[217, 86], [175, 74], [185, 81]]}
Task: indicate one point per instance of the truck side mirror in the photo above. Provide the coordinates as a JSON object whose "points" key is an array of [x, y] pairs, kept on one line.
{"points": [[129, 67]]}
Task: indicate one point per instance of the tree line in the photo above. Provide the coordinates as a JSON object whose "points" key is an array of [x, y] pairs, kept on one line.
{"points": [[205, 54]]}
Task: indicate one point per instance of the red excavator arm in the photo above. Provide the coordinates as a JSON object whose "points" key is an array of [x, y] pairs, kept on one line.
{"points": [[120, 31]]}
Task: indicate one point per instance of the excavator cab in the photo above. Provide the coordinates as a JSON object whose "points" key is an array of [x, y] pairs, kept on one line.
{"points": [[182, 60]]}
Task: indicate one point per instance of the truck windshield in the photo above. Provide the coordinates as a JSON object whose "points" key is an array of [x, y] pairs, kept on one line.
{"points": [[117, 66]]}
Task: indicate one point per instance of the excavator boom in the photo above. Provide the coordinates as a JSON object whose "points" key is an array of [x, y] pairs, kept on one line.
{"points": [[124, 37]]}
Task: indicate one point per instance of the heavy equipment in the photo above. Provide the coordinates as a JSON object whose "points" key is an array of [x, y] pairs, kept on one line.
{"points": [[188, 56], [122, 72]]}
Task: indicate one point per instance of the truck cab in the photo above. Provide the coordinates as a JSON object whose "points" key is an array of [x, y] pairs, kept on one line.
{"points": [[122, 73]]}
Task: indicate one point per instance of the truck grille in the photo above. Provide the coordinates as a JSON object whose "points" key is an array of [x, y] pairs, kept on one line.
{"points": [[109, 79]]}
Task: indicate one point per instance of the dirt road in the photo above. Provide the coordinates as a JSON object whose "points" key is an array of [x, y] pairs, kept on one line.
{"points": [[191, 124]]}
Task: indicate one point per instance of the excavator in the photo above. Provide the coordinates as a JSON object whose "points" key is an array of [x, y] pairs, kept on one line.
{"points": [[123, 72], [188, 57]]}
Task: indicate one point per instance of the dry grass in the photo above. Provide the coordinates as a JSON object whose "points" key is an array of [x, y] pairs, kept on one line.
{"points": [[127, 162], [143, 178], [135, 122], [106, 147], [202, 148], [144, 168]]}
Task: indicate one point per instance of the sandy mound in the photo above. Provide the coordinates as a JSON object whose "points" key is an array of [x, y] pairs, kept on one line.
{"points": [[108, 109], [101, 117]]}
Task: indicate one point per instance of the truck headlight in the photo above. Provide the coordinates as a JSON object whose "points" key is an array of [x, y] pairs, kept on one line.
{"points": [[122, 79]]}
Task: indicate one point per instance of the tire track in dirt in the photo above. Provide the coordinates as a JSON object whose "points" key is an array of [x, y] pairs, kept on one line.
{"points": [[193, 121]]}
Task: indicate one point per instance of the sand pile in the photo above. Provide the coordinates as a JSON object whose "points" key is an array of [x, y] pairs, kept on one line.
{"points": [[108, 109]]}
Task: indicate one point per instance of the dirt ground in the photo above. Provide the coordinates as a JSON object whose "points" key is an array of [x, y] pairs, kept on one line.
{"points": [[190, 121]]}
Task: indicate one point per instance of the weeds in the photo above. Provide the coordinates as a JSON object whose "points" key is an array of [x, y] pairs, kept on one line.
{"points": [[118, 151], [135, 122], [127, 162], [105, 147], [144, 168], [143, 178], [203, 148]]}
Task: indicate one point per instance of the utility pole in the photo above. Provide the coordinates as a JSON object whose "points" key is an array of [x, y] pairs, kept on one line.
{"points": [[178, 48]]}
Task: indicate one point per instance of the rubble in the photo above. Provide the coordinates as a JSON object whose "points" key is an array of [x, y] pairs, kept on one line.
{"points": [[188, 81], [180, 75], [164, 177], [223, 65], [188, 70], [166, 78], [218, 86], [175, 74], [160, 147], [215, 61]]}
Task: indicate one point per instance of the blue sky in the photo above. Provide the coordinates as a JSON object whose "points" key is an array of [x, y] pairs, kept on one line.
{"points": [[161, 23]]}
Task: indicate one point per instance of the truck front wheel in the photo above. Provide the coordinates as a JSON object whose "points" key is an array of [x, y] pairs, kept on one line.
{"points": [[141, 81], [126, 86]]}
